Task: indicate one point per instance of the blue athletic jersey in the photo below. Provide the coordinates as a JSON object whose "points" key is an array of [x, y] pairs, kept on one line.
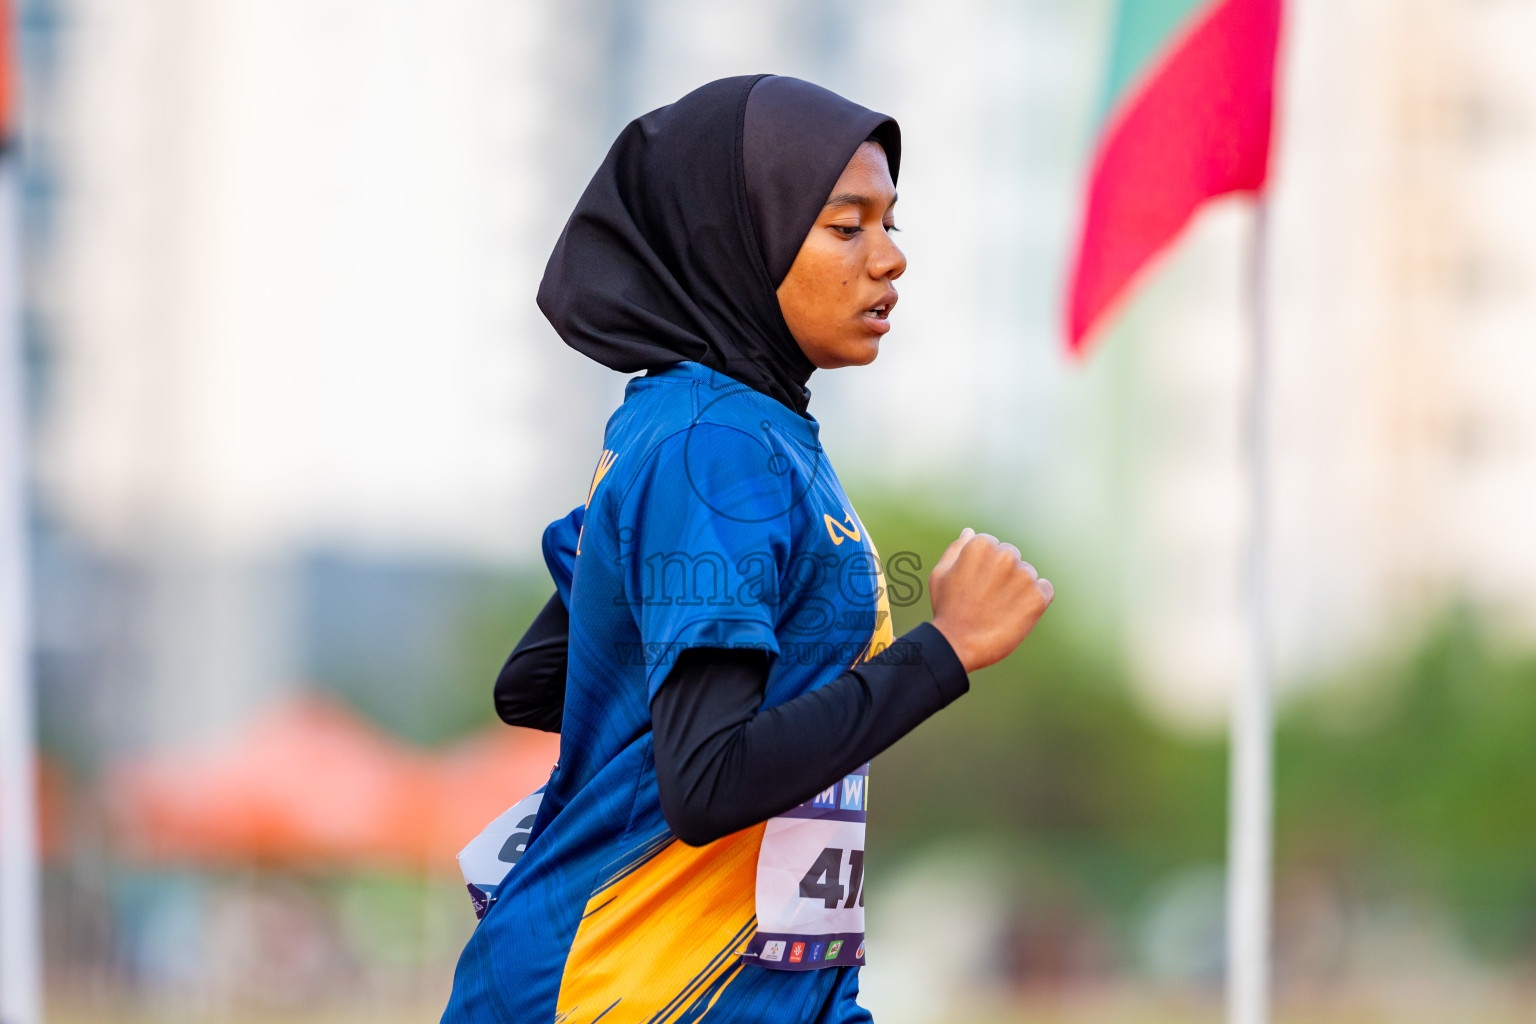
{"points": [[713, 519]]}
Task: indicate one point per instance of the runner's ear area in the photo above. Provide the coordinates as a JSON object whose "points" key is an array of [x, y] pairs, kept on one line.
{"points": [[797, 140]]}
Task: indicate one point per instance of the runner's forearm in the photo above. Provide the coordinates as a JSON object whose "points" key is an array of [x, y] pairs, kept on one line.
{"points": [[724, 763]]}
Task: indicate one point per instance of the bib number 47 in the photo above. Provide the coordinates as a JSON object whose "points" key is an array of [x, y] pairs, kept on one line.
{"points": [[824, 881]]}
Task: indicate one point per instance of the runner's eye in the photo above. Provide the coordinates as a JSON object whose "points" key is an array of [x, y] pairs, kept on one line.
{"points": [[845, 230]]}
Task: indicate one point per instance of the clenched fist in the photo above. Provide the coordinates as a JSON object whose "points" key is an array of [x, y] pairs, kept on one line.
{"points": [[985, 598]]}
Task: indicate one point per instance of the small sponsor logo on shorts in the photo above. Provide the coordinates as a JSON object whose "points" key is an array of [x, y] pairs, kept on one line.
{"points": [[834, 948], [773, 950], [858, 954], [797, 952], [816, 951]]}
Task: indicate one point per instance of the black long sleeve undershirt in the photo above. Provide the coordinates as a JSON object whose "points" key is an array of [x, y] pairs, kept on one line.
{"points": [[530, 690], [723, 762]]}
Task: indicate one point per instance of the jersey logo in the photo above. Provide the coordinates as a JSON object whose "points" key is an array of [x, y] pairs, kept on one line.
{"points": [[603, 465], [834, 528]]}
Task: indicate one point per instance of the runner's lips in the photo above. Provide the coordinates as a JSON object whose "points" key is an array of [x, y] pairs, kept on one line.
{"points": [[882, 309]]}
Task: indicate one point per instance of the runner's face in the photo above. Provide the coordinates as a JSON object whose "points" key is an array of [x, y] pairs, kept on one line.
{"points": [[838, 294]]}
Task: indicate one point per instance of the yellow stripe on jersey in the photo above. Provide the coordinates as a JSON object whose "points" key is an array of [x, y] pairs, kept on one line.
{"points": [[663, 934], [884, 634]]}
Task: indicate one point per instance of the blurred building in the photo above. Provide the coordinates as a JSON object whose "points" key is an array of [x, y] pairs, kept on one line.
{"points": [[289, 294], [1403, 301], [293, 276]]}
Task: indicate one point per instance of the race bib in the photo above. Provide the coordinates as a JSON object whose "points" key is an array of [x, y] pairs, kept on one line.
{"points": [[497, 849], [810, 882]]}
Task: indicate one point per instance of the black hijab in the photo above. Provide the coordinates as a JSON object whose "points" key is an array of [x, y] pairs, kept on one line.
{"points": [[680, 241]]}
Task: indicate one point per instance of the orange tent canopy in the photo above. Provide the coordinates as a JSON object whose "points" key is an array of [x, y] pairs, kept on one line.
{"points": [[55, 803], [311, 784]]}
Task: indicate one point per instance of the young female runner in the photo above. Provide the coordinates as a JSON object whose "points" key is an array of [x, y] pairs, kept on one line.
{"points": [[718, 656]]}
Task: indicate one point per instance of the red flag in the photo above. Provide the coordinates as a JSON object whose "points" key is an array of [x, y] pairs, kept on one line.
{"points": [[8, 72], [1191, 108]]}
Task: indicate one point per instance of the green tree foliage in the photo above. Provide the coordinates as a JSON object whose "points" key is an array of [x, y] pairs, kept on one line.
{"points": [[1419, 776], [1049, 752], [1411, 779]]}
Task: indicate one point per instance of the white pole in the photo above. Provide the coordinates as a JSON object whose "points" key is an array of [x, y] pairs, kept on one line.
{"points": [[20, 932], [1250, 794]]}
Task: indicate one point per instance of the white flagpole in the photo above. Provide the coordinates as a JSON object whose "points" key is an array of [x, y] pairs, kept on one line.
{"points": [[20, 923], [1250, 794]]}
